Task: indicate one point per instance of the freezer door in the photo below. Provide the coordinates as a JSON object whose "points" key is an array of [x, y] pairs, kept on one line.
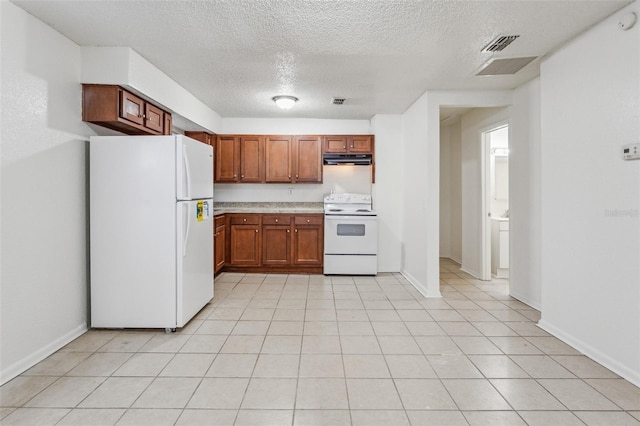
{"points": [[194, 257], [194, 168]]}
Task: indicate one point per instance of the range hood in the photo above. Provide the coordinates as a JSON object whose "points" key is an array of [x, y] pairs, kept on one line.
{"points": [[347, 159]]}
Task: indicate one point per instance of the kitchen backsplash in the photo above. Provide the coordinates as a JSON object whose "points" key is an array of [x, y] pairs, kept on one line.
{"points": [[335, 178]]}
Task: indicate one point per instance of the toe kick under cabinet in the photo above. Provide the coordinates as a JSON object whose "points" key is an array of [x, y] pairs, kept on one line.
{"points": [[291, 243]]}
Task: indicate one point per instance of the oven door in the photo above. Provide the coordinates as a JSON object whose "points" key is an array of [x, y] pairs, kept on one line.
{"points": [[350, 234]]}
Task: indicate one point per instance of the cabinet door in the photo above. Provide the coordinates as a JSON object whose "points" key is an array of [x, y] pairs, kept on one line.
{"points": [[251, 158], [168, 128], [131, 107], [308, 240], [153, 118], [203, 137], [336, 144], [227, 159], [276, 245], [278, 159], [360, 144], [308, 159], [245, 245], [219, 243]]}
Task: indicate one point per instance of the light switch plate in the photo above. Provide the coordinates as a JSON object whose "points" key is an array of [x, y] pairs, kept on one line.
{"points": [[631, 151]]}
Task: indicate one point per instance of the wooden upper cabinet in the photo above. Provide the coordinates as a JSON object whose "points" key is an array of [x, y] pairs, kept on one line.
{"points": [[168, 124], [335, 144], [227, 158], [154, 117], [278, 159], [360, 144], [203, 137], [132, 107], [251, 158], [118, 109], [307, 163]]}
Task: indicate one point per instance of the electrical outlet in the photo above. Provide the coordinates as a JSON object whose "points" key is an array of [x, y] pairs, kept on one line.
{"points": [[631, 151]]}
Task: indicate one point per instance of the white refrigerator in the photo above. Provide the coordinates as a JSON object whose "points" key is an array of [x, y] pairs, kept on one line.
{"points": [[151, 230]]}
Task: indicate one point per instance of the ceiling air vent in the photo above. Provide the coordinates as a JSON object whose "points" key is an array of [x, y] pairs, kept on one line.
{"points": [[507, 66], [338, 101], [499, 44]]}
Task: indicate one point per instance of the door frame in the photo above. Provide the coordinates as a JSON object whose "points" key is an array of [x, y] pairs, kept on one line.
{"points": [[485, 195]]}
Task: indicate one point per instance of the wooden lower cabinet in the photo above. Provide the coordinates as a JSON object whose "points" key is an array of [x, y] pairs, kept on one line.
{"points": [[275, 243], [219, 243], [245, 240], [308, 241]]}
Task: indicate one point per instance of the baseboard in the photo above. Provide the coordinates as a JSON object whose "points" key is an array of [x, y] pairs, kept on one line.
{"points": [[474, 274], [34, 358], [418, 286], [534, 304], [455, 259], [596, 355]]}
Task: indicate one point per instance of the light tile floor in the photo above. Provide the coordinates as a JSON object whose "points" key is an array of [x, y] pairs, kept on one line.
{"points": [[315, 350]]}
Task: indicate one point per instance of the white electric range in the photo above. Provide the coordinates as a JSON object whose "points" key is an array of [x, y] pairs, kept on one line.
{"points": [[350, 235]]}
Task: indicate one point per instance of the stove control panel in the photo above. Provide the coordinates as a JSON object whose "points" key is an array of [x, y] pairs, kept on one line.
{"points": [[347, 198]]}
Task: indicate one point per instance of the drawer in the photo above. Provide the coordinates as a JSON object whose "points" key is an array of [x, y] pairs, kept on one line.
{"points": [[309, 220], [218, 220], [245, 219], [276, 219]]}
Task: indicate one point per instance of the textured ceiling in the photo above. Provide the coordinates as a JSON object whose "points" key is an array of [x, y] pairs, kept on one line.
{"points": [[381, 55]]}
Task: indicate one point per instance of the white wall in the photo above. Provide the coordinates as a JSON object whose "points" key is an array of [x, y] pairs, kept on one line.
{"points": [[590, 105], [445, 191], [387, 192], [421, 134], [525, 229], [420, 207], [473, 124], [44, 275], [451, 192]]}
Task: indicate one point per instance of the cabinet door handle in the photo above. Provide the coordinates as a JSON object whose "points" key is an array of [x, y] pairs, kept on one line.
{"points": [[287, 231], [289, 176], [296, 230], [352, 146], [241, 176], [256, 231], [296, 176], [344, 147], [235, 176]]}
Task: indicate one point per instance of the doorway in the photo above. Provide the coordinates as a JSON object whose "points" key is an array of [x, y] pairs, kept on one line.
{"points": [[495, 201]]}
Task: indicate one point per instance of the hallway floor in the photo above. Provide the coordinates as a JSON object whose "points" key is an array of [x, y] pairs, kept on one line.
{"points": [[316, 350]]}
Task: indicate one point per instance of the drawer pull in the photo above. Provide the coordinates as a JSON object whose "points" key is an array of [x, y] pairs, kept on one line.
{"points": [[276, 220], [308, 220], [244, 220]]}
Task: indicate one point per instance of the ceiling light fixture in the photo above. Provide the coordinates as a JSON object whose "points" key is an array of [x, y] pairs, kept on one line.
{"points": [[284, 101]]}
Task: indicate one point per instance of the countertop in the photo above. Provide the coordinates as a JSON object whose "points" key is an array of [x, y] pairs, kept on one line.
{"points": [[267, 207]]}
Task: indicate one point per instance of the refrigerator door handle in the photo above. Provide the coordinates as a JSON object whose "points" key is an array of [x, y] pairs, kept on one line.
{"points": [[186, 235], [187, 170]]}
